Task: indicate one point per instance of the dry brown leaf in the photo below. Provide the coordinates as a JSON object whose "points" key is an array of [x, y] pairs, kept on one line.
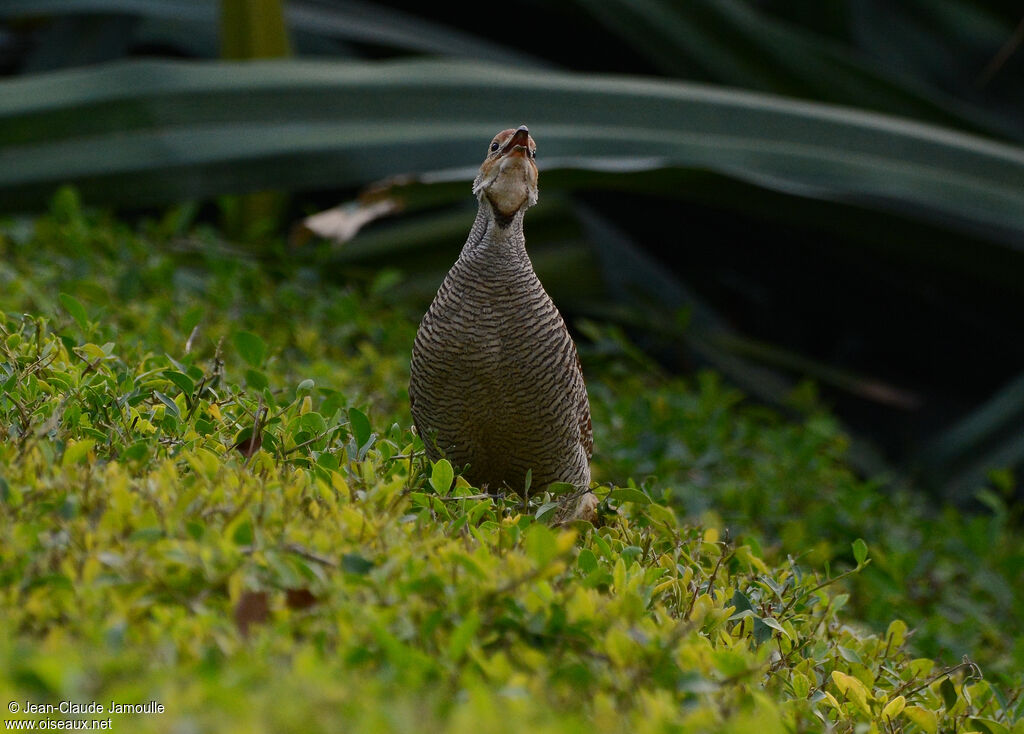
{"points": [[299, 598], [342, 223], [253, 608]]}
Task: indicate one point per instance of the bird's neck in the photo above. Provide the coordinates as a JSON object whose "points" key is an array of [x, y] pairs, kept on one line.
{"points": [[495, 237]]}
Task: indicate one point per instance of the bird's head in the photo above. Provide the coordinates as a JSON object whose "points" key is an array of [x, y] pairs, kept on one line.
{"points": [[508, 175]]}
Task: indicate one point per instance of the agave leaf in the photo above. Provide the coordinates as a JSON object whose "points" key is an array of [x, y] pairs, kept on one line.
{"points": [[735, 43], [1006, 450], [153, 132], [1001, 414]]}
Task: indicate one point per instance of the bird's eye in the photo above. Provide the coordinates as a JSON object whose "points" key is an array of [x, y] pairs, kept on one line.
{"points": [[533, 153], [494, 146]]}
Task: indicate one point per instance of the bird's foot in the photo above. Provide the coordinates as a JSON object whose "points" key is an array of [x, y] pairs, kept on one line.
{"points": [[578, 507]]}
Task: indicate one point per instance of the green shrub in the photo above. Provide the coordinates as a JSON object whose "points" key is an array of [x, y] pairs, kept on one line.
{"points": [[320, 577]]}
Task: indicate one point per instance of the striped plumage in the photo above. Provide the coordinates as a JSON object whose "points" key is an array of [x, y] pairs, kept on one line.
{"points": [[496, 382]]}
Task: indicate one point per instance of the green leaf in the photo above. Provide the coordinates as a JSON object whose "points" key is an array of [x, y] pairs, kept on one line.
{"points": [[76, 452], [850, 655], [860, 551], [545, 511], [256, 379], [540, 544], [53, 580], [894, 707], [196, 530], [741, 602], [801, 685], [138, 451], [990, 726], [313, 422], [896, 633], [243, 533], [744, 608], [628, 494], [586, 560], [853, 689], [328, 461], [441, 476], [182, 381], [462, 635], [75, 308], [730, 663], [774, 624], [250, 347], [172, 407], [661, 514], [948, 691], [356, 564], [556, 489], [923, 718], [360, 426], [147, 535], [631, 553]]}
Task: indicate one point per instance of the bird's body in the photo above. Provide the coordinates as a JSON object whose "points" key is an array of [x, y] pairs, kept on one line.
{"points": [[496, 384]]}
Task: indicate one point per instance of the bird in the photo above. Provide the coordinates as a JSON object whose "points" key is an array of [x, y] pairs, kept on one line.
{"points": [[496, 384]]}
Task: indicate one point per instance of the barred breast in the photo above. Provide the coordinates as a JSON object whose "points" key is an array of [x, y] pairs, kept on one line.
{"points": [[496, 385]]}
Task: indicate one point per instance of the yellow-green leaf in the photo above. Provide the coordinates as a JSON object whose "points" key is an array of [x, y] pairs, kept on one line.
{"points": [[541, 544], [462, 635], [76, 452], [800, 684], [894, 707], [988, 726], [441, 476], [853, 689], [923, 718], [860, 551], [897, 633]]}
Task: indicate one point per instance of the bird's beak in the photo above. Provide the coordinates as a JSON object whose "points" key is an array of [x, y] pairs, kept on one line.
{"points": [[520, 139]]}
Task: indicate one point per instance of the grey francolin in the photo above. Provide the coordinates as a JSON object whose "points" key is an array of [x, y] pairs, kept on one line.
{"points": [[496, 385]]}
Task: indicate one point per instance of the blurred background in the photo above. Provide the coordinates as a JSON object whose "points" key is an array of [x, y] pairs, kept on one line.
{"points": [[783, 190]]}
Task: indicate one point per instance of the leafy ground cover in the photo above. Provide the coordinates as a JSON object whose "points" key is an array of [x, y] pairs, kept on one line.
{"points": [[210, 498]]}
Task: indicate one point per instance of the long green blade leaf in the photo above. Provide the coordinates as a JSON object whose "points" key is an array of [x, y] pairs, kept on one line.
{"points": [[733, 43], [151, 132]]}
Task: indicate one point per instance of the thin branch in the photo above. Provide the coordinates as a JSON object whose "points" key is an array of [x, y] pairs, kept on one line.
{"points": [[967, 663]]}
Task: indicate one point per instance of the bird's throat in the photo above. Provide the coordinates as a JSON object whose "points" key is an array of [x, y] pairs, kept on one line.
{"points": [[496, 237], [503, 221], [506, 208], [503, 228], [510, 186]]}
